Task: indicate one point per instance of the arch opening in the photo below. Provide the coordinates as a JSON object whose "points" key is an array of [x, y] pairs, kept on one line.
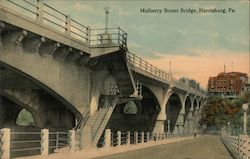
{"points": [[25, 118], [187, 107], [136, 115], [195, 105], [173, 109]]}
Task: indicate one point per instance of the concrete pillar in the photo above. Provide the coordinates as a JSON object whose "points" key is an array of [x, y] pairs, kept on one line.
{"points": [[148, 136], [142, 137], [68, 25], [128, 138], [159, 126], [119, 137], [72, 141], [5, 141], [136, 137], [44, 142], [107, 138], [40, 10]]}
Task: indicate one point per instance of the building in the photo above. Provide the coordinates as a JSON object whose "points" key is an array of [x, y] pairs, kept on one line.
{"points": [[229, 85]]}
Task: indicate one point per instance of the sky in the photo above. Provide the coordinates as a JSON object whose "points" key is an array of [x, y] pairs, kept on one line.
{"points": [[198, 45]]}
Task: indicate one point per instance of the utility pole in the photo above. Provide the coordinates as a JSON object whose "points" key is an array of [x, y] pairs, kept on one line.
{"points": [[106, 19]]}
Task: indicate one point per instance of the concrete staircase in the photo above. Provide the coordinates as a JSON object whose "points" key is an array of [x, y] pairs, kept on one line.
{"points": [[95, 125]]}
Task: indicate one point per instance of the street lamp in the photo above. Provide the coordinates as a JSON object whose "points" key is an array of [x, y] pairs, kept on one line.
{"points": [[228, 125], [168, 126], [245, 107]]}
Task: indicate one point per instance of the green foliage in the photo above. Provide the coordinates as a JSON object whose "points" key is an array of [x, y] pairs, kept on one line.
{"points": [[24, 118], [191, 82], [218, 111]]}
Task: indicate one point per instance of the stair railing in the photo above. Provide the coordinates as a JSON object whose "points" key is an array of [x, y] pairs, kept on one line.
{"points": [[113, 90], [83, 119]]}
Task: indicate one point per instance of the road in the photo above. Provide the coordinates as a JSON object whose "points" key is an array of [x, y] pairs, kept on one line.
{"points": [[204, 147]]}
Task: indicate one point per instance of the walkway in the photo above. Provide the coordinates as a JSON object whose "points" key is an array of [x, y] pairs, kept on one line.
{"points": [[205, 147]]}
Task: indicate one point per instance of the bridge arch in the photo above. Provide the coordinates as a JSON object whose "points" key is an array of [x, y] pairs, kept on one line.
{"points": [[188, 105], [45, 110], [173, 108], [36, 84], [144, 120], [195, 105]]}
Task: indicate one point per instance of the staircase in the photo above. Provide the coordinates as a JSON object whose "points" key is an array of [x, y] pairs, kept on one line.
{"points": [[123, 76], [95, 125]]}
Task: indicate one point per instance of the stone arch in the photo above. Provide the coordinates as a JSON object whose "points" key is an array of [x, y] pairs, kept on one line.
{"points": [[46, 110], [173, 108], [144, 120], [41, 86]]}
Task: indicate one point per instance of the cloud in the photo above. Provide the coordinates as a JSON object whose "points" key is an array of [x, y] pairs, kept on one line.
{"points": [[81, 7], [200, 68]]}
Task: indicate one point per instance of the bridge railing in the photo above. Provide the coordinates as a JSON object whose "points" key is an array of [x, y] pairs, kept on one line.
{"points": [[239, 146], [108, 36], [119, 138], [136, 61], [48, 15], [22, 143], [58, 140], [25, 143]]}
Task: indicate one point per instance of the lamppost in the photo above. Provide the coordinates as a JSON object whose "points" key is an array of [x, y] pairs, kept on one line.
{"points": [[245, 107], [168, 126], [228, 125]]}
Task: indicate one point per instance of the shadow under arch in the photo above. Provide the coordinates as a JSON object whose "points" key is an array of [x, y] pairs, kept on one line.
{"points": [[44, 87], [195, 105], [187, 107], [147, 110], [8, 112], [173, 109]]}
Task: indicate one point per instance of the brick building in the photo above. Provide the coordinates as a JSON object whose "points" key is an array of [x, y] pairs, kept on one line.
{"points": [[229, 85]]}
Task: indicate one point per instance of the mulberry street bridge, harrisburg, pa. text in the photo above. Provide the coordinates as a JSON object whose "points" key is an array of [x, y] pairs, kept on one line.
{"points": [[78, 83]]}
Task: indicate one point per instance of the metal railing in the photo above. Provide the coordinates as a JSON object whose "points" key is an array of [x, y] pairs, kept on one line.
{"points": [[42, 12], [108, 103], [25, 142], [124, 138], [58, 140], [108, 36], [135, 61], [238, 145], [133, 138]]}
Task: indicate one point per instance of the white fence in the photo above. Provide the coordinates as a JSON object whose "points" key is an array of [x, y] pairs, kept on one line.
{"points": [[17, 144], [114, 139], [239, 146]]}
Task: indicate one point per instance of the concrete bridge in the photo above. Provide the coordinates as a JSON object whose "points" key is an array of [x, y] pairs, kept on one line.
{"points": [[72, 76]]}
